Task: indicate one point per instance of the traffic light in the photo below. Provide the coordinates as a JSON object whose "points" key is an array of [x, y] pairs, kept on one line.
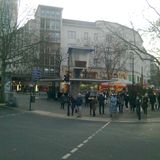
{"points": [[66, 78]]}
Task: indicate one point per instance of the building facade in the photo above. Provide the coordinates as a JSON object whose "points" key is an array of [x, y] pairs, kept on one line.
{"points": [[82, 37], [49, 24], [97, 50]]}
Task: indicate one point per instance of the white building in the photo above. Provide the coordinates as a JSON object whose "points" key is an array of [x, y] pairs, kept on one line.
{"points": [[80, 37]]}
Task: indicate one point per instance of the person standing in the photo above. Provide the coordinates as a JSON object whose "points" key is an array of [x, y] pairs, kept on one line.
{"points": [[120, 100], [73, 104], [126, 99], [93, 105], [132, 102], [86, 99], [101, 99], [138, 105], [79, 102], [145, 103], [113, 105], [62, 100], [152, 99], [158, 99]]}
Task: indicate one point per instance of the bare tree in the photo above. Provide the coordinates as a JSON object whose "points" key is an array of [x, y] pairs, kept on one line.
{"points": [[111, 53], [14, 45]]}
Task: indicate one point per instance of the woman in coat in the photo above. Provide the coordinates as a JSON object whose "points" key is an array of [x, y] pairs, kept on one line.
{"points": [[113, 105]]}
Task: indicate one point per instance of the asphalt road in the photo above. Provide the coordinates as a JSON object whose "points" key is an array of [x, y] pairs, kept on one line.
{"points": [[29, 136]]}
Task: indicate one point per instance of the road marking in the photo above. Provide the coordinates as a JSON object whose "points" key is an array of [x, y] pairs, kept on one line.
{"points": [[90, 137], [74, 150], [80, 145], [84, 142], [12, 115], [66, 156]]}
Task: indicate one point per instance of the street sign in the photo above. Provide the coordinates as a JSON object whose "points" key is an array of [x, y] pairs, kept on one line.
{"points": [[36, 74]]}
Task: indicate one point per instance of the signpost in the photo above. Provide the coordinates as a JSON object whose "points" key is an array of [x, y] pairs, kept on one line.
{"points": [[36, 75]]}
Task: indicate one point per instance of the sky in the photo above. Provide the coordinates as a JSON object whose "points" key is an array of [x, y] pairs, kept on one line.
{"points": [[120, 11], [123, 12]]}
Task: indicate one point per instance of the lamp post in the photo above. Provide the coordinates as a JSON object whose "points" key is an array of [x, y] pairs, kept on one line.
{"points": [[133, 68], [69, 84], [134, 42]]}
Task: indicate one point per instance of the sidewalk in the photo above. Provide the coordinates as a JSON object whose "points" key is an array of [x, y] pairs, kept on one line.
{"points": [[50, 107]]}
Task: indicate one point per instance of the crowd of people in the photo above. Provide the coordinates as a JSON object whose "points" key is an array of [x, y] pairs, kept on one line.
{"points": [[115, 102]]}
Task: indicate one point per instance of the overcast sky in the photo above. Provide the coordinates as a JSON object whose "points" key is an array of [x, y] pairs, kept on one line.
{"points": [[120, 11]]}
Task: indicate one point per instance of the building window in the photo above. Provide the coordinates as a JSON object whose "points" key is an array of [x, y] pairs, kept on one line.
{"points": [[95, 36], [47, 24], [95, 62], [46, 70], [58, 15], [138, 79], [55, 36], [57, 25], [51, 59], [130, 77], [52, 25], [85, 35], [42, 22], [47, 60], [71, 35]]}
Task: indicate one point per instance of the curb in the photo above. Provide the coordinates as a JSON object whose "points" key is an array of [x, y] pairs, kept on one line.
{"points": [[95, 119]]}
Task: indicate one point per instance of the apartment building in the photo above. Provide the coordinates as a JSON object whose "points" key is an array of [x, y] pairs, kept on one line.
{"points": [[49, 24]]}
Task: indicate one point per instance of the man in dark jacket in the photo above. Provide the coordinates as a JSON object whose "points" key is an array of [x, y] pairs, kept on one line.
{"points": [[101, 99], [145, 103], [152, 99]]}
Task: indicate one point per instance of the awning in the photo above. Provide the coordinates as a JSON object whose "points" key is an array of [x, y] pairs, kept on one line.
{"points": [[70, 49]]}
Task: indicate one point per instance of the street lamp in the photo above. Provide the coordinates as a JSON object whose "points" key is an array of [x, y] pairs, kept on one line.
{"points": [[68, 80], [133, 68]]}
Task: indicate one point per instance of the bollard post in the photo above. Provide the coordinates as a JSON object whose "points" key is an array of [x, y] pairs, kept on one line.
{"points": [[68, 106], [30, 101]]}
